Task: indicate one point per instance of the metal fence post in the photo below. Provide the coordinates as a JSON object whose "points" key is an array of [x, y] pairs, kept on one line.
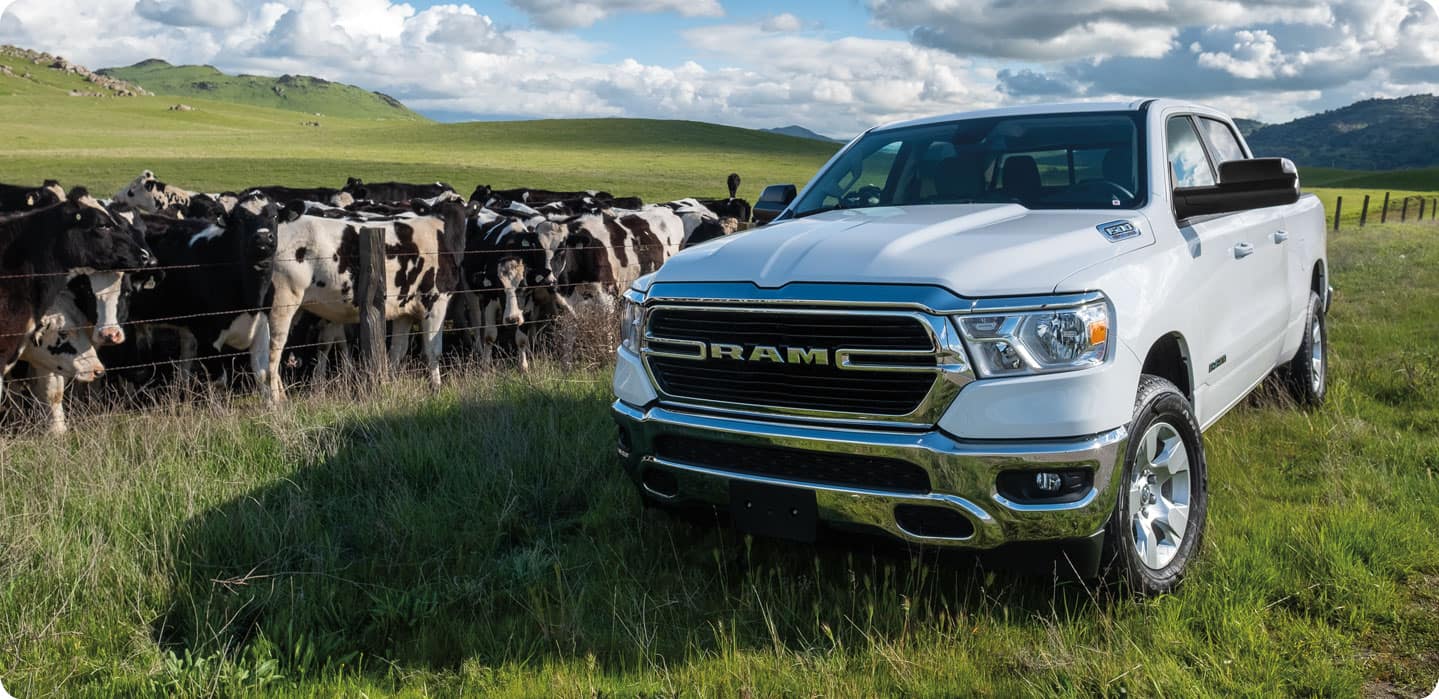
{"points": [[1364, 212], [1338, 211], [370, 297], [1384, 212]]}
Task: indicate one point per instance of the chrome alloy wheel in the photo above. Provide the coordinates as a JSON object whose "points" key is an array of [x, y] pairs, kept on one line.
{"points": [[1159, 495], [1316, 355]]}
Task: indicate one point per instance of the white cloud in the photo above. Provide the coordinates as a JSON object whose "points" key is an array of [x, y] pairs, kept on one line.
{"points": [[572, 14], [783, 22]]}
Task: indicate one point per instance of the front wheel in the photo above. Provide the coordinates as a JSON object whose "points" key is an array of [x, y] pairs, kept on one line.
{"points": [[1307, 374], [1163, 497]]}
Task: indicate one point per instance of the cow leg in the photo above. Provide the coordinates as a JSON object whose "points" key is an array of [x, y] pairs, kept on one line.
{"points": [[189, 349], [522, 348], [434, 329], [260, 351], [55, 398], [332, 340], [400, 329], [282, 314], [491, 331], [475, 317]]}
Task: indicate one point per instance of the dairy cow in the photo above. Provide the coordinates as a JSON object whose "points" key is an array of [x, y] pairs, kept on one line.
{"points": [[394, 191], [17, 198], [604, 253], [315, 271], [148, 194], [40, 251], [59, 350], [216, 289]]}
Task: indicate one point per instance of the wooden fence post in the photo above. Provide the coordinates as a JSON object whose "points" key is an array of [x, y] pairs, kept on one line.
{"points": [[370, 297], [1384, 213], [1404, 211], [1338, 211], [1364, 212], [1422, 204]]}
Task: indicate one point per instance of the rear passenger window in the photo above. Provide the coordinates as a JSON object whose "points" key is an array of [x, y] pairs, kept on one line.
{"points": [[1186, 155], [1222, 140]]}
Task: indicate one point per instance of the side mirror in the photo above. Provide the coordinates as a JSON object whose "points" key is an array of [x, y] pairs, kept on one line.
{"points": [[773, 201], [1243, 184]]}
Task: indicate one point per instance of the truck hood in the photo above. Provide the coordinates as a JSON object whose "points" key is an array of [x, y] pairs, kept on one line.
{"points": [[971, 249]]}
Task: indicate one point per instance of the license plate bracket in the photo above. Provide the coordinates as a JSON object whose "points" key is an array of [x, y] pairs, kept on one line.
{"points": [[774, 511]]}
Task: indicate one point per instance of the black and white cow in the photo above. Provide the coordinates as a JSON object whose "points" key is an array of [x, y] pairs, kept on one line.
{"points": [[18, 198], [389, 192], [39, 253], [506, 268], [604, 253], [149, 195], [216, 288], [57, 351], [321, 195], [315, 271]]}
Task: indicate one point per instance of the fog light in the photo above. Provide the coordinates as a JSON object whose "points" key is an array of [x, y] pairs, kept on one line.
{"points": [[1045, 487], [1048, 482]]}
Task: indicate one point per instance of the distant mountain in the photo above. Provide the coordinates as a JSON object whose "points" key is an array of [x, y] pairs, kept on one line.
{"points": [[1248, 126], [802, 132], [1377, 134], [299, 93]]}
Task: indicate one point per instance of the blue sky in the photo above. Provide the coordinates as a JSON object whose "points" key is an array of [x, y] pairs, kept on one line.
{"points": [[836, 67]]}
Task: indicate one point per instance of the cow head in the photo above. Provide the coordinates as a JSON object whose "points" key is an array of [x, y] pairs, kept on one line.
{"points": [[88, 237], [483, 194], [150, 195], [355, 187], [59, 343]]}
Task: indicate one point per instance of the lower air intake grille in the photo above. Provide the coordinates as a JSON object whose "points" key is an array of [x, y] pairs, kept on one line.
{"points": [[821, 468]]}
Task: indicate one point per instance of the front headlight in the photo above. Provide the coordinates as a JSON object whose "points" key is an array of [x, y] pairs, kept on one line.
{"points": [[632, 317], [1039, 342]]}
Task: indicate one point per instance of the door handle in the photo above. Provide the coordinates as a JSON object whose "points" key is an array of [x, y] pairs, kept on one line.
{"points": [[1243, 250], [1280, 236]]}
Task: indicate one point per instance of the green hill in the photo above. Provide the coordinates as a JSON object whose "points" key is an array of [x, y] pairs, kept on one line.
{"points": [[297, 93], [1377, 134], [26, 72]]}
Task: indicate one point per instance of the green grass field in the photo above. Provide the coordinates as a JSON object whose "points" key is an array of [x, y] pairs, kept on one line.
{"points": [[483, 541]]}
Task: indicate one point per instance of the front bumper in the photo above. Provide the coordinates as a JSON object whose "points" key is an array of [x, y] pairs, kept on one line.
{"points": [[962, 474]]}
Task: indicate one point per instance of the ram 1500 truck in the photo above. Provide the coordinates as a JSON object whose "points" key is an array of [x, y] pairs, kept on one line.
{"points": [[984, 329]]}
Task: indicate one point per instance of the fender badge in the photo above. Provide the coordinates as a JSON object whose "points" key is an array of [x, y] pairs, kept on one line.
{"points": [[1116, 231]]}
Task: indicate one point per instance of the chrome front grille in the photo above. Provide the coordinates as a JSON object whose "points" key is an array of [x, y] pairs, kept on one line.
{"points": [[815, 363]]}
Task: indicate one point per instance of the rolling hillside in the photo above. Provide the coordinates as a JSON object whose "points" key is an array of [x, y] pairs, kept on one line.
{"points": [[1378, 134], [298, 93]]}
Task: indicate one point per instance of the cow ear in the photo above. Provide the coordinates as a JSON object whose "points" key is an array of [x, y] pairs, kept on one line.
{"points": [[292, 211]]}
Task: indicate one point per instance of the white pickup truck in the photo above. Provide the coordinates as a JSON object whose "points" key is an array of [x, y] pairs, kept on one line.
{"points": [[984, 329]]}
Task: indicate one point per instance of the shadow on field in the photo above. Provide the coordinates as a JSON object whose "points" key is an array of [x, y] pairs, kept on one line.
{"points": [[502, 531]]}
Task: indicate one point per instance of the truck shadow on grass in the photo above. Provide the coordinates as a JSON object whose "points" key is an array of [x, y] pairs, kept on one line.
{"points": [[501, 531]]}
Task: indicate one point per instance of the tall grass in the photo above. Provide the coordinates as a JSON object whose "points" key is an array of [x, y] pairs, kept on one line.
{"points": [[482, 541]]}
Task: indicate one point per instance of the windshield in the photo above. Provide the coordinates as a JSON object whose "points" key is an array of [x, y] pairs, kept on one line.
{"points": [[1056, 161]]}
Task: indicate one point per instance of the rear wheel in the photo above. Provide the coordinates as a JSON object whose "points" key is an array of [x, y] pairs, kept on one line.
{"points": [[1307, 374], [1159, 519]]}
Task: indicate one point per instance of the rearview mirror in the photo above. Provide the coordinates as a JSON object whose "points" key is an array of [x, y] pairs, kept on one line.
{"points": [[773, 201], [1243, 185]]}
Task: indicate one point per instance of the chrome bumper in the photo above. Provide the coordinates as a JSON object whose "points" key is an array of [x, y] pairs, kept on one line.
{"points": [[962, 474]]}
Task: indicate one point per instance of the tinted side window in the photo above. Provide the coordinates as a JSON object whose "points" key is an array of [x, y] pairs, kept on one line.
{"points": [[1222, 141], [1186, 154]]}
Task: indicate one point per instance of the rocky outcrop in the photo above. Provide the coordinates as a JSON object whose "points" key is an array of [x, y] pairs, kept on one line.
{"points": [[113, 86]]}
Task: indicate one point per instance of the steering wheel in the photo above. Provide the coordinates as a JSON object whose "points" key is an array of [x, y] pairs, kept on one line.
{"points": [[868, 195], [1104, 187]]}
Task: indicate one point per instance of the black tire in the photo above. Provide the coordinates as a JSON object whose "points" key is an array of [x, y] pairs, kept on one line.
{"points": [[1161, 407], [1306, 376]]}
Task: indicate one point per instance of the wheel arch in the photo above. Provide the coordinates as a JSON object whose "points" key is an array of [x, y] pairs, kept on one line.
{"points": [[1168, 358]]}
